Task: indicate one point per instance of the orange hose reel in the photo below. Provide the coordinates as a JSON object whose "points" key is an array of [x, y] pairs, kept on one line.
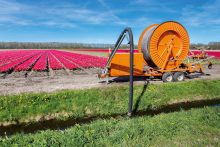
{"points": [[155, 40], [163, 47]]}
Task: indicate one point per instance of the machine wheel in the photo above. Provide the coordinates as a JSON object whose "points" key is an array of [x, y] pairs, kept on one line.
{"points": [[210, 66], [167, 77], [179, 76]]}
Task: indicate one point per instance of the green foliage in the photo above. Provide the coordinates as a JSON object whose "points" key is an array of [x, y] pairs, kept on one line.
{"points": [[215, 61], [90, 53], [104, 101], [196, 127]]}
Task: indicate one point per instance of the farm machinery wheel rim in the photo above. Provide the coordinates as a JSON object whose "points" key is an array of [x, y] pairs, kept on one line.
{"points": [[169, 78], [141, 37], [180, 78]]}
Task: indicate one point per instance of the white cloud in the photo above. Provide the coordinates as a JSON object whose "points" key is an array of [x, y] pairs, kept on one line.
{"points": [[10, 13], [201, 16], [59, 24], [152, 5], [142, 2], [85, 15], [65, 15], [10, 7]]}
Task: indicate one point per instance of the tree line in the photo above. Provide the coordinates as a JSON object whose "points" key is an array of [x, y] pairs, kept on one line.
{"points": [[58, 45], [209, 46]]}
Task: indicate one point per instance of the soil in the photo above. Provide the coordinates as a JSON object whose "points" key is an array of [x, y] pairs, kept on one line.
{"points": [[38, 74], [51, 81]]}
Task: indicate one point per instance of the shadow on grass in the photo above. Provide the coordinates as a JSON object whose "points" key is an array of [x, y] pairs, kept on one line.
{"points": [[140, 96], [64, 124]]}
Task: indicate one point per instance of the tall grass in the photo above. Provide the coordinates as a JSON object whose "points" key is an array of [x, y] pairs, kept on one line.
{"points": [[196, 127], [103, 101]]}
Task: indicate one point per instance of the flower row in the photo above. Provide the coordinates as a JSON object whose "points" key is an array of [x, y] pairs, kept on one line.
{"points": [[54, 64], [65, 62], [41, 63], [28, 64], [12, 65], [37, 60], [14, 56]]}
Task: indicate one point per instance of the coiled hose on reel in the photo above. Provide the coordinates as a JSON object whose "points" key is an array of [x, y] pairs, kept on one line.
{"points": [[155, 40]]}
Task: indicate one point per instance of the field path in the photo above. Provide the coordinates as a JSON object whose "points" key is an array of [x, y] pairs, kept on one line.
{"points": [[82, 80]]}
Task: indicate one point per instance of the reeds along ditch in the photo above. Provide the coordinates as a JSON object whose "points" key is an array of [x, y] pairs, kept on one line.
{"points": [[103, 101], [196, 127]]}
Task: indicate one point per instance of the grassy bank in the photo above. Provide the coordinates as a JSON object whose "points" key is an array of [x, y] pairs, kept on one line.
{"points": [[100, 54], [215, 61], [196, 127], [102, 101]]}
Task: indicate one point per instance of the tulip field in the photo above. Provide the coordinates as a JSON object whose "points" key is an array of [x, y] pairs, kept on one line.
{"points": [[41, 60], [215, 53]]}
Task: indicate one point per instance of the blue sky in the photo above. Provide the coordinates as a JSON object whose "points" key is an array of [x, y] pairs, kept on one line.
{"points": [[102, 21]]}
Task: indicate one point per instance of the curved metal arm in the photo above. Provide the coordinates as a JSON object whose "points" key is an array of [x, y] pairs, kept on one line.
{"points": [[117, 44]]}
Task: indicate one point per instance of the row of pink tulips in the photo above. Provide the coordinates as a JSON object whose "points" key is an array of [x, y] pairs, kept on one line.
{"points": [[28, 64], [85, 59], [11, 65], [41, 63], [13, 57], [21, 60], [65, 62], [71, 57], [54, 64]]}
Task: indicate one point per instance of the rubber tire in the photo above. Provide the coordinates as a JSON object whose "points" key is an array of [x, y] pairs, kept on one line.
{"points": [[210, 66], [177, 74], [165, 75]]}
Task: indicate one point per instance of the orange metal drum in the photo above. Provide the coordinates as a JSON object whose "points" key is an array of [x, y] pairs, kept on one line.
{"points": [[156, 39]]}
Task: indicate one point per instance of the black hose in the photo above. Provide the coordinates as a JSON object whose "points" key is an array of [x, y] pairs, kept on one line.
{"points": [[131, 69], [131, 63], [145, 46]]}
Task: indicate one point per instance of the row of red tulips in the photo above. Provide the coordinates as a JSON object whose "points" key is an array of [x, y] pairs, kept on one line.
{"points": [[73, 58], [7, 55], [14, 56], [41, 63], [36, 60], [86, 60], [54, 64], [68, 64], [28, 64], [12, 65]]}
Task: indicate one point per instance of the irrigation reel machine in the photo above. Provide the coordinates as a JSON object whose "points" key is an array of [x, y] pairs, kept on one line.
{"points": [[163, 47]]}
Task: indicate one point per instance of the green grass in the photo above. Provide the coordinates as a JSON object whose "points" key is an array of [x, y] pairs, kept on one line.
{"points": [[215, 61], [104, 101], [100, 54], [196, 127]]}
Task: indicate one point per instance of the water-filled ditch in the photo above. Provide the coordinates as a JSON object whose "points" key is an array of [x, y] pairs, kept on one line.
{"points": [[63, 124]]}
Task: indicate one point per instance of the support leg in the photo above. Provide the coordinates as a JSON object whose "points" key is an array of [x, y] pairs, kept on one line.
{"points": [[107, 81]]}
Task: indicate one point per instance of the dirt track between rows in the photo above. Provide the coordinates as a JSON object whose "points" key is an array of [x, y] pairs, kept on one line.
{"points": [[29, 82]]}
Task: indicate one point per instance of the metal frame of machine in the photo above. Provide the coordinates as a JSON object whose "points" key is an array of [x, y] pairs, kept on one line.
{"points": [[118, 63]]}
